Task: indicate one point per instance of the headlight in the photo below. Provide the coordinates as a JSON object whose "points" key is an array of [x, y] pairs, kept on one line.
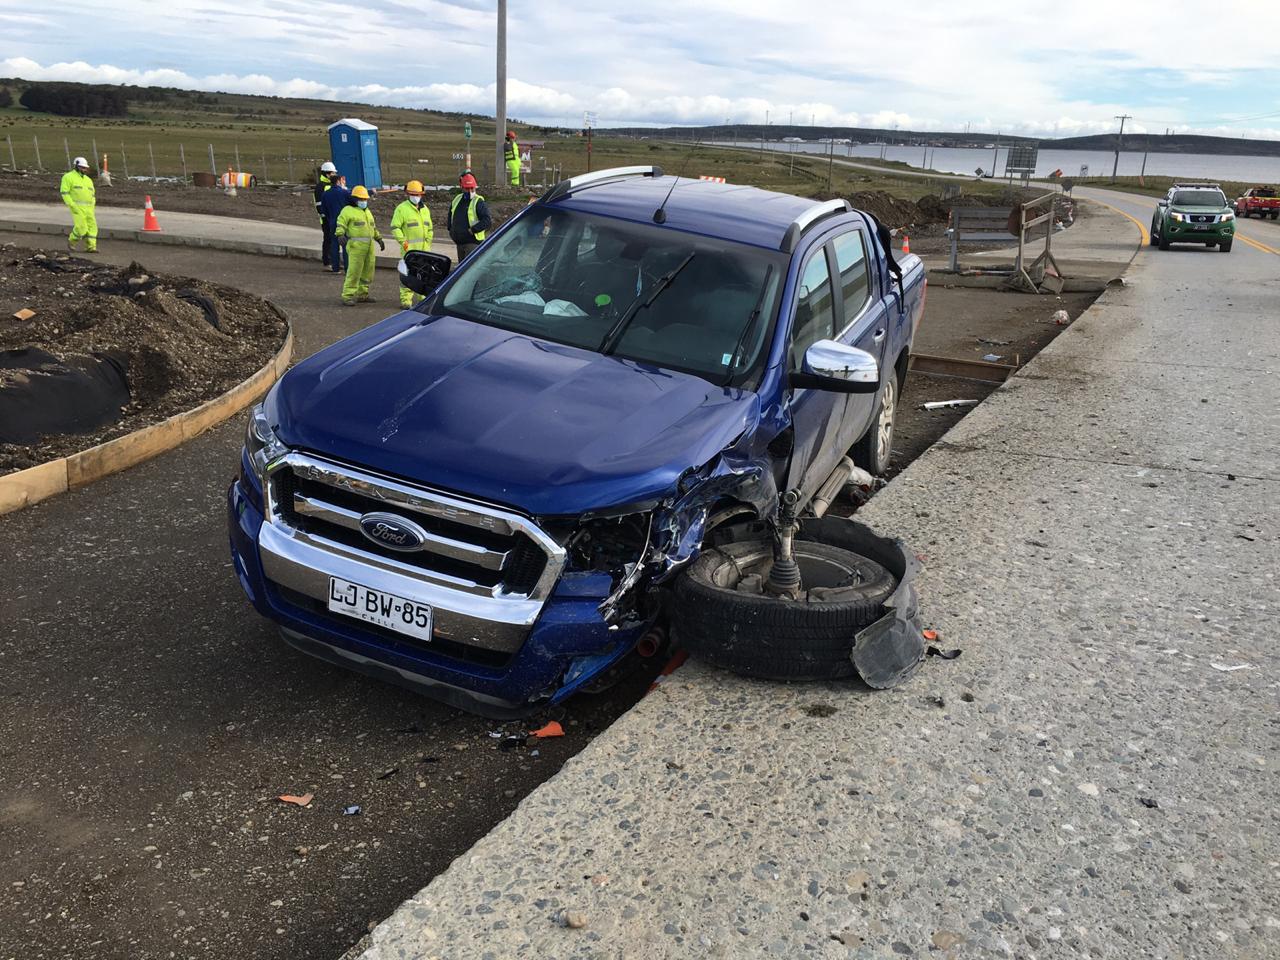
{"points": [[1227, 216], [261, 442], [1177, 216]]}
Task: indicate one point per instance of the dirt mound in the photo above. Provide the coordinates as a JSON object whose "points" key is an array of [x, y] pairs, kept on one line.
{"points": [[186, 341]]}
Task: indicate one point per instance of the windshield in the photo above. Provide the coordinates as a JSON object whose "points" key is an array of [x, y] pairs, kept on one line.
{"points": [[1200, 198], [653, 295]]}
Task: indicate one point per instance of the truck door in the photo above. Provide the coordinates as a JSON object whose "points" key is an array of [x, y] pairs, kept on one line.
{"points": [[816, 415], [864, 321]]}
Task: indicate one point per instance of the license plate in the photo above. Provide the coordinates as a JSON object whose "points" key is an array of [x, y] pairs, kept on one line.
{"points": [[381, 609]]}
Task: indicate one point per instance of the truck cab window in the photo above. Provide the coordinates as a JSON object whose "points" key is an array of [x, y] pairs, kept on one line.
{"points": [[851, 261], [815, 309]]}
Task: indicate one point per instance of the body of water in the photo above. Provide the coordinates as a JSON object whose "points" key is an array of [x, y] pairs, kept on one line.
{"points": [[1193, 166]]}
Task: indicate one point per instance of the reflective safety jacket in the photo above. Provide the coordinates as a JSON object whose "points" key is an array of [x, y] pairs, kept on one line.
{"points": [[412, 225], [511, 151], [323, 183], [77, 189], [477, 216], [356, 225]]}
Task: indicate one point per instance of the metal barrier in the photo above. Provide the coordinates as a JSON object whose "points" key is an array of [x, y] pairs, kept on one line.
{"points": [[1043, 270]]}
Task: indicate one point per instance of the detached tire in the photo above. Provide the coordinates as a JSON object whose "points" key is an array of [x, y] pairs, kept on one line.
{"points": [[721, 616]]}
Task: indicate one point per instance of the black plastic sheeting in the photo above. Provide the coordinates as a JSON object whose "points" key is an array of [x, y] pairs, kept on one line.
{"points": [[41, 395]]}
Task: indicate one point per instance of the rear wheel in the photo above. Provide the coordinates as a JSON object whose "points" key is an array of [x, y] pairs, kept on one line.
{"points": [[1275, 214], [873, 450]]}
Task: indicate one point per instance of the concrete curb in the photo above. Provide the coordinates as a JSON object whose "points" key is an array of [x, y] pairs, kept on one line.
{"points": [[292, 251], [25, 487]]}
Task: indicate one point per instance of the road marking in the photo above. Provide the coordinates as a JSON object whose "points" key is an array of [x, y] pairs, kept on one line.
{"points": [[1258, 244], [1142, 228]]}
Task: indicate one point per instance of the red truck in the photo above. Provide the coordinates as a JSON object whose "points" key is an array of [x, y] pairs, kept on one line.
{"points": [[1259, 200]]}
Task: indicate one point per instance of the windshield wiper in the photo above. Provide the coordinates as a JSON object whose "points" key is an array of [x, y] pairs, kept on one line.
{"points": [[748, 326], [641, 302]]}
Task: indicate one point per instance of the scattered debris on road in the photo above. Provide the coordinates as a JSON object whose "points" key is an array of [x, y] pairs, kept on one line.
{"points": [[551, 729], [298, 801], [944, 404]]}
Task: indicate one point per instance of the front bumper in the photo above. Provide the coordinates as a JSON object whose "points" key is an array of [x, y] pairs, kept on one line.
{"points": [[565, 645], [1185, 232]]}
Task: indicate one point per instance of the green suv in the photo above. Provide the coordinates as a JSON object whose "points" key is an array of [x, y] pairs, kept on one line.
{"points": [[1194, 213]]}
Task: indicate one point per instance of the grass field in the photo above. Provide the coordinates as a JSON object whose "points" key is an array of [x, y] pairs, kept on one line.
{"points": [[285, 139]]}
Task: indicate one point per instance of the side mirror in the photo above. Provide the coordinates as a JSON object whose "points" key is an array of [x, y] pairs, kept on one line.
{"points": [[422, 271], [839, 368]]}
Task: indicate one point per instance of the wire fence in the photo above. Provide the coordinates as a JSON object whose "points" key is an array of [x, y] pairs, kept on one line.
{"points": [[274, 163]]}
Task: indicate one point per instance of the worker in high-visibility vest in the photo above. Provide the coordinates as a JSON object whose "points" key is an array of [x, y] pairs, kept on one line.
{"points": [[79, 195], [511, 156], [357, 232], [469, 218], [411, 226], [325, 179]]}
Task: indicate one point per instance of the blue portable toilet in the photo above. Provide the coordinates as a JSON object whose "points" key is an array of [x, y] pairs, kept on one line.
{"points": [[353, 144]]}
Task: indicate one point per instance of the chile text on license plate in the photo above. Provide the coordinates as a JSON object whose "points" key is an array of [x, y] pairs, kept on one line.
{"points": [[380, 608]]}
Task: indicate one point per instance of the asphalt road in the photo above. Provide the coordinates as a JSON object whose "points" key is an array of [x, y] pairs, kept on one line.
{"points": [[148, 717]]}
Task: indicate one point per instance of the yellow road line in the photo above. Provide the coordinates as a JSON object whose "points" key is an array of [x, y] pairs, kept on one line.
{"points": [[1142, 227], [1258, 244]]}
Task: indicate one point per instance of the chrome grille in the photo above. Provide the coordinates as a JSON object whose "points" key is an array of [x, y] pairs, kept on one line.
{"points": [[471, 547]]}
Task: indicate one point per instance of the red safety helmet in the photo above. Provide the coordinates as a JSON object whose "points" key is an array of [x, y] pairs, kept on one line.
{"points": [[511, 134], [467, 182]]}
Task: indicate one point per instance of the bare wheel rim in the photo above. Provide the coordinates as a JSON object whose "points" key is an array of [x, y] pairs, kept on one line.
{"points": [[884, 429]]}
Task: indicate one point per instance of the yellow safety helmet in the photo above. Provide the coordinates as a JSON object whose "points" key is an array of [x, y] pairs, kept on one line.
{"points": [[413, 188], [360, 193]]}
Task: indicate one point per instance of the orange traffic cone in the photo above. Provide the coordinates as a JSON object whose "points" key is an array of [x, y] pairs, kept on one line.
{"points": [[149, 221], [906, 243]]}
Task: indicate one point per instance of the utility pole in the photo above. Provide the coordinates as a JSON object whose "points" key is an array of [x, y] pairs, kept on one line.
{"points": [[1119, 140], [500, 131]]}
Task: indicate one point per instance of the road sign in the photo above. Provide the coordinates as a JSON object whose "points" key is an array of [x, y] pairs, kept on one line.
{"points": [[588, 119], [1022, 158], [466, 129]]}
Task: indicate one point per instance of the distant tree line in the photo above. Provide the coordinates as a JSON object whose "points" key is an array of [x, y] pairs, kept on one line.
{"points": [[76, 100], [6, 97]]}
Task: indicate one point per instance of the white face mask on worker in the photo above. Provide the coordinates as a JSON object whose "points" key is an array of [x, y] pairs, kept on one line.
{"points": [[362, 204], [415, 200]]}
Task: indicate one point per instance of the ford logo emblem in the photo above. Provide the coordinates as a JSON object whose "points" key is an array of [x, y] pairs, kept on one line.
{"points": [[394, 533]]}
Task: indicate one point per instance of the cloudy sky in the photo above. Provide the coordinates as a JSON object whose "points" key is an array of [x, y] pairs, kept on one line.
{"points": [[1035, 68]]}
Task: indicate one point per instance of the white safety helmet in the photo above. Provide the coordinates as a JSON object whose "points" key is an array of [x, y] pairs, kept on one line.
{"points": [[328, 167], [79, 162]]}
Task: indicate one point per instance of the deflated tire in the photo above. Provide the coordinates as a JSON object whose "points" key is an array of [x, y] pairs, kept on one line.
{"points": [[723, 616]]}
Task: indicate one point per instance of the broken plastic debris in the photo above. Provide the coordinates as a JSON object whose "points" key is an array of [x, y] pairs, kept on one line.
{"points": [[552, 729], [929, 634], [24, 314], [1061, 318], [1235, 666], [1149, 802], [942, 404], [510, 743], [301, 801], [351, 811], [944, 654], [993, 358]]}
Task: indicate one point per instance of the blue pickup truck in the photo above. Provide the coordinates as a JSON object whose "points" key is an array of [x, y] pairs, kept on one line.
{"points": [[488, 497]]}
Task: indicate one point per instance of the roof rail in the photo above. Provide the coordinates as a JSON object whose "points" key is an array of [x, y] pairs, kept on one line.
{"points": [[807, 219], [1195, 183], [599, 176]]}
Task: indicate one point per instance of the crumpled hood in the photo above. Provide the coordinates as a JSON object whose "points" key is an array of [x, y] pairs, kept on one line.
{"points": [[503, 417]]}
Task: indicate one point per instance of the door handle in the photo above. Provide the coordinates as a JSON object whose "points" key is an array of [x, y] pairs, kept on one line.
{"points": [[879, 335]]}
